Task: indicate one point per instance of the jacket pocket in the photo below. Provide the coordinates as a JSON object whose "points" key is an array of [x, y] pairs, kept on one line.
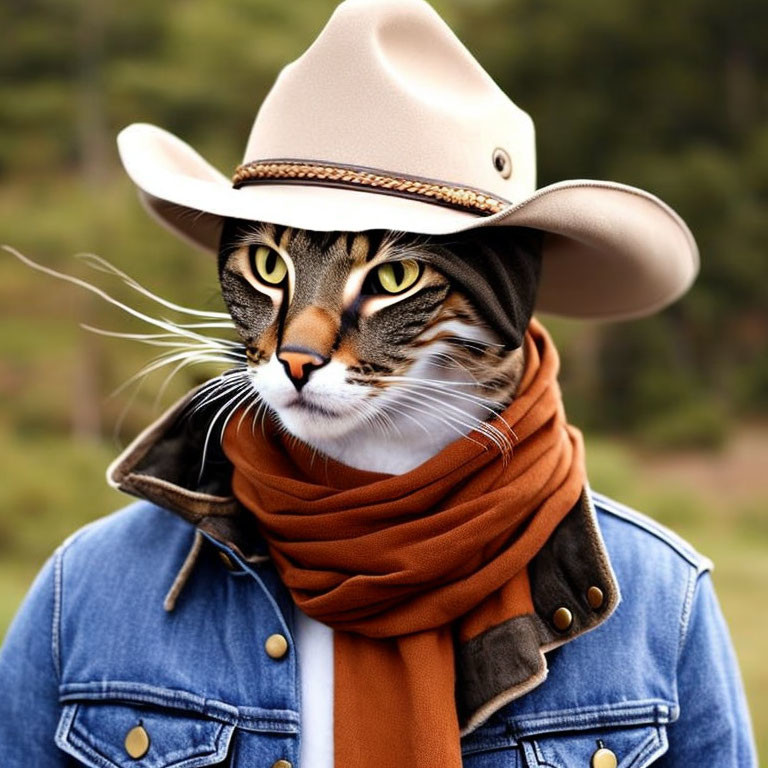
{"points": [[97, 734], [634, 746], [508, 745]]}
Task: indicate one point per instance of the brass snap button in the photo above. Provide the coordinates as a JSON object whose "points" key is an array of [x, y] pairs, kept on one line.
{"points": [[604, 758], [229, 563], [562, 618], [595, 597], [137, 742], [282, 764], [502, 162], [276, 646]]}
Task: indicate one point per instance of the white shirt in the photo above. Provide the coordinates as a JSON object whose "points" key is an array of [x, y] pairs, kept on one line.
{"points": [[314, 648]]}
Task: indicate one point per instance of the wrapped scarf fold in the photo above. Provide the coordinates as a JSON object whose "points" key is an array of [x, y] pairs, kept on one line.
{"points": [[401, 566]]}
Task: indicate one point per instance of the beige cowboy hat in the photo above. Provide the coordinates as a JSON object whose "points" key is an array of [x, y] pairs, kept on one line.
{"points": [[388, 122]]}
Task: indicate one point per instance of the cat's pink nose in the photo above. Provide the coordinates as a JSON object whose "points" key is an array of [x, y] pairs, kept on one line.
{"points": [[299, 362]]}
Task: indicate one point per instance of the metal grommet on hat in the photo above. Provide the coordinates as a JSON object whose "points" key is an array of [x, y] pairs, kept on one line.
{"points": [[502, 162]]}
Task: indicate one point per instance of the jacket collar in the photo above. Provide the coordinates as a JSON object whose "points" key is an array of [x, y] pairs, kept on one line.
{"points": [[573, 586]]}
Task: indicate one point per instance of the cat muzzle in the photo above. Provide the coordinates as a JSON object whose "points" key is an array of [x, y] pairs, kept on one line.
{"points": [[299, 364]]}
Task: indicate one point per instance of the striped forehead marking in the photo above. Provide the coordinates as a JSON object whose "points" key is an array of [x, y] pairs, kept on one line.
{"points": [[285, 239], [359, 248]]}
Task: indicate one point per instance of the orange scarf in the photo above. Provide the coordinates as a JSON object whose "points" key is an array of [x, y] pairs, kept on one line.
{"points": [[398, 564]]}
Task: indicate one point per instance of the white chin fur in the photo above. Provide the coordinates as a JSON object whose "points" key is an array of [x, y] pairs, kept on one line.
{"points": [[346, 423], [336, 402]]}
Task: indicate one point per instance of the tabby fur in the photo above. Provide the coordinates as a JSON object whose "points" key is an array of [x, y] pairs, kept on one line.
{"points": [[402, 375]]}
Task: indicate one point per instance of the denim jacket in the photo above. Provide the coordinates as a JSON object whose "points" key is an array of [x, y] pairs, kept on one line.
{"points": [[161, 620]]}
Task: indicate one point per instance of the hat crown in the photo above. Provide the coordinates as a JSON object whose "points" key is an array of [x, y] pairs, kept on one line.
{"points": [[387, 85]]}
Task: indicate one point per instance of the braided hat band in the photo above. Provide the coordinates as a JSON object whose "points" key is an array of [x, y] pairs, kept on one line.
{"points": [[370, 179]]}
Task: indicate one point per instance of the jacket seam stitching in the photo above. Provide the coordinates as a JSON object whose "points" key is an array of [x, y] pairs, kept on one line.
{"points": [[540, 757], [654, 746], [56, 618], [278, 721], [61, 737], [58, 590], [685, 617], [694, 558], [646, 747], [651, 526], [625, 714]]}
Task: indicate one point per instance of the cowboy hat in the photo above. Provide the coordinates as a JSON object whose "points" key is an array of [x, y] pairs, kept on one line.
{"points": [[388, 122]]}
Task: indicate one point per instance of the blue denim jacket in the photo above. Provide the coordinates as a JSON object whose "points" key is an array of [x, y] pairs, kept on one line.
{"points": [[95, 651]]}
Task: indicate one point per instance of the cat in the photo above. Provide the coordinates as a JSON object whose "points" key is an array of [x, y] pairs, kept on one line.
{"points": [[376, 348], [360, 346]]}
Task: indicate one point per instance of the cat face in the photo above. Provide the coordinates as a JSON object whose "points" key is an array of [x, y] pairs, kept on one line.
{"points": [[344, 330]]}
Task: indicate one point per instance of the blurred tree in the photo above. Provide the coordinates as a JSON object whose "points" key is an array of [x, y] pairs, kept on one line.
{"points": [[670, 97]]}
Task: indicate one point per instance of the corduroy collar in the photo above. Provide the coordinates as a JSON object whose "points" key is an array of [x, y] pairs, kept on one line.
{"points": [[572, 571]]}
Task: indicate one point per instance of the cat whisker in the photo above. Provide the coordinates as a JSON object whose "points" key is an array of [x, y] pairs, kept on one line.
{"points": [[182, 329], [447, 421], [214, 389], [156, 340], [387, 422], [221, 388], [170, 358], [250, 394], [420, 392], [377, 418], [132, 336], [445, 389], [201, 355], [102, 265], [407, 399], [210, 387], [165, 325], [501, 441], [442, 387], [264, 413], [232, 404], [177, 369], [256, 401], [454, 362], [433, 381], [220, 324], [141, 379], [466, 341]]}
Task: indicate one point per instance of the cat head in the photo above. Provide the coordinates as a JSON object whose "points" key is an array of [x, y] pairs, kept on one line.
{"points": [[347, 329]]}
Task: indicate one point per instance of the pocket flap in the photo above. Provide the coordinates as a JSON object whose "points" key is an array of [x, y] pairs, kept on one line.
{"points": [[95, 733], [628, 747]]}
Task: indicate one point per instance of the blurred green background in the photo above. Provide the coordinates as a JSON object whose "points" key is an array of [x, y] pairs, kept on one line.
{"points": [[668, 96]]}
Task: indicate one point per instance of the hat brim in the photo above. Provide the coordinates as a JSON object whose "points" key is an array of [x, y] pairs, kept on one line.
{"points": [[611, 251]]}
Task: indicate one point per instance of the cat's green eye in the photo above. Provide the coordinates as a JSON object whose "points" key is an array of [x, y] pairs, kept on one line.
{"points": [[398, 276], [267, 264]]}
